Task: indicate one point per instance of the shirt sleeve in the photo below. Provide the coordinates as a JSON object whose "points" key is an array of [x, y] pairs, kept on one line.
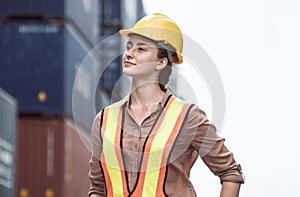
{"points": [[212, 149], [95, 172]]}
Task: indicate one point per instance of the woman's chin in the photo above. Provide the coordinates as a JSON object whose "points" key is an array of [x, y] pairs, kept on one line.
{"points": [[127, 71]]}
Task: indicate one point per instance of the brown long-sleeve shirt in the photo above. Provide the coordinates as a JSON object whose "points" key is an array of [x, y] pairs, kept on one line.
{"points": [[198, 137]]}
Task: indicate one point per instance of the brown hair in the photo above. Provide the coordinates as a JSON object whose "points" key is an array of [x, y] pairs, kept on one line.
{"points": [[165, 50]]}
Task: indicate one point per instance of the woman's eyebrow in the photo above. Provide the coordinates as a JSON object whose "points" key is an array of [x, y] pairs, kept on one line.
{"points": [[138, 44], [142, 44], [129, 43]]}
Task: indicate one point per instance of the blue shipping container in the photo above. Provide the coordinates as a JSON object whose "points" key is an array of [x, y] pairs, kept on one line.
{"points": [[31, 69], [42, 8]]}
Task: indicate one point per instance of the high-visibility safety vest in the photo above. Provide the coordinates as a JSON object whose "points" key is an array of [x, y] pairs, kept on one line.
{"points": [[157, 148]]}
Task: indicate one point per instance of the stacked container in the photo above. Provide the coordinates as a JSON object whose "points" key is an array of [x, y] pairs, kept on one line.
{"points": [[8, 122], [51, 158], [43, 45], [32, 67]]}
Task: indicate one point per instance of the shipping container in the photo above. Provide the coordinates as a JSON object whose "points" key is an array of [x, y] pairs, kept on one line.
{"points": [[8, 125], [131, 12], [39, 65], [110, 48], [94, 18], [32, 65], [101, 68], [85, 17], [52, 158], [82, 64], [110, 17], [41, 61], [112, 62], [31, 8], [75, 50]]}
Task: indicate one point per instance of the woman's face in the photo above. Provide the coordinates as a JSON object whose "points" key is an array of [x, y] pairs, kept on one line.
{"points": [[140, 58]]}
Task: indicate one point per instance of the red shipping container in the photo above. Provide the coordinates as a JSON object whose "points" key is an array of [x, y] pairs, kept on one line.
{"points": [[52, 160]]}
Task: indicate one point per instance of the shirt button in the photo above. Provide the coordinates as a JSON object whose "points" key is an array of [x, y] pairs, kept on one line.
{"points": [[134, 147]]}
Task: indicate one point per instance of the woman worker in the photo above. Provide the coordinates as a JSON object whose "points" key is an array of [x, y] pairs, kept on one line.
{"points": [[146, 144]]}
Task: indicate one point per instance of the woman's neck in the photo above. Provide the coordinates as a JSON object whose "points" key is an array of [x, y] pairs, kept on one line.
{"points": [[146, 94]]}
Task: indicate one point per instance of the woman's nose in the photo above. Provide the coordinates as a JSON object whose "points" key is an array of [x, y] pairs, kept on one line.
{"points": [[129, 53]]}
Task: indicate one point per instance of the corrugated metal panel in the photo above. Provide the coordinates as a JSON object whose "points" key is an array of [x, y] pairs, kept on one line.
{"points": [[32, 65], [8, 124], [110, 16], [44, 8], [40, 156], [91, 69], [110, 49], [95, 18], [76, 48], [85, 16], [110, 24], [80, 93], [76, 166], [52, 161], [131, 12]]}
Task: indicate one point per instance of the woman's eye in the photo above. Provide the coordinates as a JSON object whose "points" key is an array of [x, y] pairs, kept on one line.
{"points": [[141, 49]]}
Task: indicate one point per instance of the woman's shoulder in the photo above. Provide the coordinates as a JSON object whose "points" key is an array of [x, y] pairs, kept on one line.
{"points": [[194, 108], [194, 113]]}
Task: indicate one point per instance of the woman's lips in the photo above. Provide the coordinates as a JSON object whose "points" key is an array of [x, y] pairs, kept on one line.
{"points": [[128, 63]]}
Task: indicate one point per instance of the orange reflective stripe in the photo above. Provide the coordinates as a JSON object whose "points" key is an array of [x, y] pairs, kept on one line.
{"points": [[119, 152], [111, 157], [158, 148], [102, 159], [139, 188], [167, 150]]}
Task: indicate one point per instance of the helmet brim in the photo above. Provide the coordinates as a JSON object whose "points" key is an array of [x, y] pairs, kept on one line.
{"points": [[125, 32]]}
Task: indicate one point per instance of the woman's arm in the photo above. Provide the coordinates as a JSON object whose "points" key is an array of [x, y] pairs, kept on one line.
{"points": [[214, 153], [230, 189], [97, 187]]}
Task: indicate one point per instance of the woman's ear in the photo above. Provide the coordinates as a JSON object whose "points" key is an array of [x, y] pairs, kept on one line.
{"points": [[162, 63]]}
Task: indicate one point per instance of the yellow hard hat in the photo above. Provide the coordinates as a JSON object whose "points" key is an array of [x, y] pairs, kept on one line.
{"points": [[159, 27]]}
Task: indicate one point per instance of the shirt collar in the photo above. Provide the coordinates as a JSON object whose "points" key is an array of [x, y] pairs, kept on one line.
{"points": [[162, 101]]}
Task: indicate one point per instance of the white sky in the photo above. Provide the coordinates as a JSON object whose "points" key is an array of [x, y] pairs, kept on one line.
{"points": [[256, 48]]}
